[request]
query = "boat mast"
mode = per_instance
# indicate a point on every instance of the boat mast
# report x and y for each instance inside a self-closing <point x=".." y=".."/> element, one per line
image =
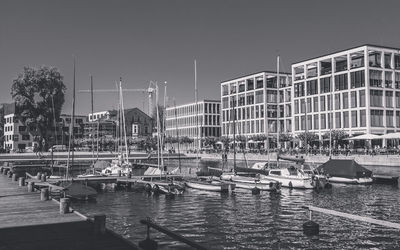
<point x="71" y="128"/>
<point x="91" y="102"/>
<point x="158" y="132"/>
<point x="197" y="113"/>
<point x="177" y="135"/>
<point x="123" y="119"/>
<point x="234" y="131"/>
<point x="278" y="110"/>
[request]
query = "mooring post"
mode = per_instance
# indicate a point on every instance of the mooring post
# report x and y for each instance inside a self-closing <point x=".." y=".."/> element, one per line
<point x="15" y="177"/>
<point x="99" y="224"/>
<point x="1" y="169"/>
<point x="10" y="174"/>
<point x="5" y="171"/>
<point x="21" y="181"/>
<point x="43" y="177"/>
<point x="31" y="186"/>
<point x="44" y="194"/>
<point x="38" y="175"/>
<point x="148" y="243"/>
<point x="64" y="205"/>
<point x="310" y="227"/>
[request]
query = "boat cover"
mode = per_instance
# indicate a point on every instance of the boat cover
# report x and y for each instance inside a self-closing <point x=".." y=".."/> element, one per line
<point x="344" y="168"/>
<point x="78" y="191"/>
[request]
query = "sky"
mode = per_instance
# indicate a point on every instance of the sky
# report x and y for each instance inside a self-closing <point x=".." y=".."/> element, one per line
<point x="150" y="40"/>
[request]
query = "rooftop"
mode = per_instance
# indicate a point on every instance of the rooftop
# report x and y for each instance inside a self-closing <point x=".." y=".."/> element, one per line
<point x="266" y="72"/>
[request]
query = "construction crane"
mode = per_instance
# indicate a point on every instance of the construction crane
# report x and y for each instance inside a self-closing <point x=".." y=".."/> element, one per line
<point x="151" y="90"/>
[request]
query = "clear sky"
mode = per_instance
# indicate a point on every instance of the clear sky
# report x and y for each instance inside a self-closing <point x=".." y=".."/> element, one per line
<point x="158" y="40"/>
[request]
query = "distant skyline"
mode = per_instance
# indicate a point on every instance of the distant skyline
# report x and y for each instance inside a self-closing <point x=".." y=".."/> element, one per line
<point x="144" y="41"/>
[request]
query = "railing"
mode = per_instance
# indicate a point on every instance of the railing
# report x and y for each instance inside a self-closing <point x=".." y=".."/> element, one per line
<point x="150" y="224"/>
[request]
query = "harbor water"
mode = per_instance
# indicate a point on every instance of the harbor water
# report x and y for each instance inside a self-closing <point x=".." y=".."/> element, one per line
<point x="266" y="221"/>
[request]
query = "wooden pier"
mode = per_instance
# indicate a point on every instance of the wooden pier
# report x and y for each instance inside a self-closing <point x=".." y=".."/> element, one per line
<point x="27" y="222"/>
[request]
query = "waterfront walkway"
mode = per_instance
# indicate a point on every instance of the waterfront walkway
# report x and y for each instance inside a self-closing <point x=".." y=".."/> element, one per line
<point x="27" y="222"/>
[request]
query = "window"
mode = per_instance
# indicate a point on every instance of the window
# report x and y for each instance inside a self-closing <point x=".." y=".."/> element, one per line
<point x="397" y="100"/>
<point x="323" y="121"/>
<point x="296" y="123"/>
<point x="316" y="125"/>
<point x="303" y="122"/>
<point x="374" y="58"/>
<point x="397" y="80"/>
<point x="397" y="61"/>
<point x="233" y="88"/>
<point x="272" y="96"/>
<point x="353" y="99"/>
<point x="362" y="98"/>
<point x="388" y="80"/>
<point x="299" y="73"/>
<point x="259" y="82"/>
<point x="398" y="119"/>
<point x="357" y="60"/>
<point x="389" y="118"/>
<point x="225" y="102"/>
<point x="354" y="119"/>
<point x="309" y="122"/>
<point x="329" y="102"/>
<point x="225" y="90"/>
<point x="389" y="99"/>
<point x="271" y="82"/>
<point x="376" y="98"/>
<point x="302" y="106"/>
<point x="315" y="103"/>
<point x="322" y="104"/>
<point x="299" y="89"/>
<point x="250" y="98"/>
<point x="363" y="118"/>
<point x="377" y="118"/>
<point x="345" y="99"/>
<point x="296" y="106"/>
<point x="242" y="87"/>
<point x="22" y="128"/>
<point x="259" y="96"/>
<point x="388" y="60"/>
<point x="337" y="101"/>
<point x="375" y="78"/>
<point x="312" y="87"/>
<point x="346" y="119"/>
<point x="340" y="63"/>
<point x="338" y="122"/>
<point x="325" y="85"/>
<point x="357" y="79"/>
<point x="309" y="107"/>
<point x="312" y="70"/>
<point x="341" y="82"/>
<point x="241" y="100"/>
<point x="326" y="67"/>
<point x="250" y="84"/>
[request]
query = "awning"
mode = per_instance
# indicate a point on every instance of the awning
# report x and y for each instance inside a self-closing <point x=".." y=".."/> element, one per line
<point x="391" y="136"/>
<point x="365" y="137"/>
<point x="251" y="141"/>
<point x="219" y="142"/>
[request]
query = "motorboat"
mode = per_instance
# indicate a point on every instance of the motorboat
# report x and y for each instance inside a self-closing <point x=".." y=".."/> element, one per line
<point x="249" y="180"/>
<point x="346" y="171"/>
<point x="210" y="185"/>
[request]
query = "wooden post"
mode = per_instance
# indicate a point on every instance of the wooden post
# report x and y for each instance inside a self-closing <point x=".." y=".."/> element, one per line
<point x="15" y="177"/>
<point x="64" y="205"/>
<point x="31" y="186"/>
<point x="44" y="194"/>
<point x="21" y="181"/>
<point x="10" y="174"/>
<point x="38" y="175"/>
<point x="99" y="224"/>
<point x="5" y="171"/>
<point x="1" y="170"/>
<point x="43" y="177"/>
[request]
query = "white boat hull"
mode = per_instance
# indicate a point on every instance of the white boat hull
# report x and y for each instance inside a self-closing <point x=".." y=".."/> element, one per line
<point x="351" y="180"/>
<point x="245" y="182"/>
<point x="293" y="182"/>
<point x="212" y="186"/>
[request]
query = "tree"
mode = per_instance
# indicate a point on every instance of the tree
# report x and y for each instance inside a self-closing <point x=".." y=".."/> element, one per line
<point x="307" y="137"/>
<point x="35" y="92"/>
<point x="225" y="142"/>
<point x="209" y="141"/>
<point x="337" y="136"/>
<point x="284" y="137"/>
<point x="185" y="140"/>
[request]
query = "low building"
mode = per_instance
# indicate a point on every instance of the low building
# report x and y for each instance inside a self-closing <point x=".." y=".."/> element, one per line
<point x="187" y="121"/>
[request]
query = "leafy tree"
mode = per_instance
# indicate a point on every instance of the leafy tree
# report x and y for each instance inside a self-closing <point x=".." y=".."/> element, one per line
<point x="185" y="140"/>
<point x="34" y="92"/>
<point x="307" y="137"/>
<point x="285" y="137"/>
<point x="338" y="136"/>
<point x="225" y="142"/>
<point x="209" y="141"/>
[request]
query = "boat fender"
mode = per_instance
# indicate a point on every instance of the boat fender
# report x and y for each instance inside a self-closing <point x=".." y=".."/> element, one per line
<point x="147" y="187"/>
<point x="271" y="184"/>
<point x="290" y="184"/>
<point x="156" y="188"/>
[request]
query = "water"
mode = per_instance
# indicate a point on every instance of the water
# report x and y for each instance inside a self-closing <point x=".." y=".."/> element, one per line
<point x="266" y="221"/>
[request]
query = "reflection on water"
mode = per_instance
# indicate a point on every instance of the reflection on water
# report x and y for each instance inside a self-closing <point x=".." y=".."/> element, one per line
<point x="245" y="221"/>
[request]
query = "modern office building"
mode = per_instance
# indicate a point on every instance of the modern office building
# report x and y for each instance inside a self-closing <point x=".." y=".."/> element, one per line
<point x="356" y="90"/>
<point x="186" y="121"/>
<point x="259" y="101"/>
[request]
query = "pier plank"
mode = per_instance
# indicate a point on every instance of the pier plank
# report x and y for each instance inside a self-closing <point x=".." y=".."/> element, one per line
<point x="26" y="222"/>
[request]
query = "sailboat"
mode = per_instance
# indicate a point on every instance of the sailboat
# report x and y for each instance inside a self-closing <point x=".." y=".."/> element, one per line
<point x="72" y="189"/>
<point x="121" y="165"/>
